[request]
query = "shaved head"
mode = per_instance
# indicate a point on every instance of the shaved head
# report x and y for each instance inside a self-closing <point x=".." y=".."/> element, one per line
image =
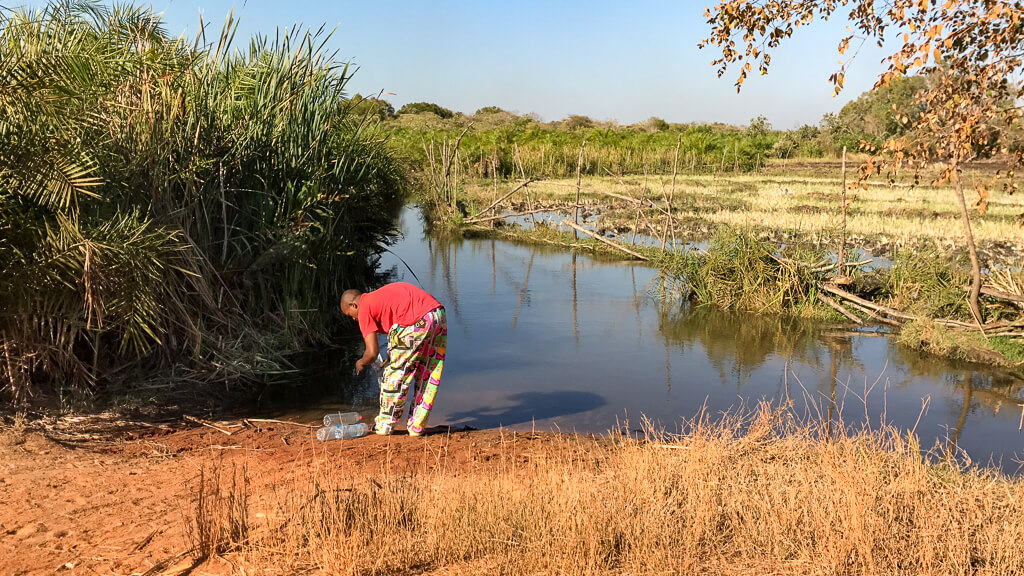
<point x="350" y="296"/>
<point x="350" y="303"/>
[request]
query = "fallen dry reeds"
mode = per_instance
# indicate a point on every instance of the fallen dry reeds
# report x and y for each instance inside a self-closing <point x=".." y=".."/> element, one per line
<point x="756" y="494"/>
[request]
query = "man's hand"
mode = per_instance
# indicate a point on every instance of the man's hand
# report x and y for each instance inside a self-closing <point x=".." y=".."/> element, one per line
<point x="372" y="349"/>
<point x="361" y="365"/>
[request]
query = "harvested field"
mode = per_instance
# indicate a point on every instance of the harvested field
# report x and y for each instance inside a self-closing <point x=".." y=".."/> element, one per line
<point x="881" y="217"/>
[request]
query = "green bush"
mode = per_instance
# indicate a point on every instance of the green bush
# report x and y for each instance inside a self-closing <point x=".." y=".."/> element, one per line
<point x="162" y="204"/>
<point x="429" y="107"/>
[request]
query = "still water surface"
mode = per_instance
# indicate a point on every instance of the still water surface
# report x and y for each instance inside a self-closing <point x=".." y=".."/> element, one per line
<point x="544" y="338"/>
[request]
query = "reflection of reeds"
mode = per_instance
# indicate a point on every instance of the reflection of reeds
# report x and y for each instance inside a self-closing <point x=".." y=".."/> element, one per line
<point x="758" y="493"/>
<point x="740" y="343"/>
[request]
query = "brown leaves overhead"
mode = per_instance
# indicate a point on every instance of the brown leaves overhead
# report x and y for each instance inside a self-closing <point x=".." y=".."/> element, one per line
<point x="970" y="50"/>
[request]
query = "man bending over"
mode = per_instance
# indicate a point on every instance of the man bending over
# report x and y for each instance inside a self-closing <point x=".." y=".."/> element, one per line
<point x="417" y="338"/>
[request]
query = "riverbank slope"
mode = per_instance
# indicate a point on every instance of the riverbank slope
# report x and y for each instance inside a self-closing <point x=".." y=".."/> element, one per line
<point x="758" y="493"/>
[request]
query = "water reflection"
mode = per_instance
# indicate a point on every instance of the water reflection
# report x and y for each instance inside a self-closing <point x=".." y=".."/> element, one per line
<point x="738" y="344"/>
<point x="542" y="337"/>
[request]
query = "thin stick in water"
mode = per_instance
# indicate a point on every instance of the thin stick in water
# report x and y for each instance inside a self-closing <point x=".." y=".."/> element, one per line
<point x="579" y="176"/>
<point x="598" y="237"/>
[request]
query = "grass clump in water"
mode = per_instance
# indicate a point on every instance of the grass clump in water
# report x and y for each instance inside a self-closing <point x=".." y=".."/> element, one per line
<point x="1012" y="348"/>
<point x="930" y="284"/>
<point x="739" y="272"/>
<point x="966" y="345"/>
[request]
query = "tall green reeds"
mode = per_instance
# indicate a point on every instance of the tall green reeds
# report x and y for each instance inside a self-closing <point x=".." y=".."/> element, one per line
<point x="166" y="202"/>
<point x="550" y="151"/>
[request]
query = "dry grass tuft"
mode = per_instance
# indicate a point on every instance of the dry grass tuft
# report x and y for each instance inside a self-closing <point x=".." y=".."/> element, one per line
<point x="219" y="518"/>
<point x="14" y="433"/>
<point x="747" y="495"/>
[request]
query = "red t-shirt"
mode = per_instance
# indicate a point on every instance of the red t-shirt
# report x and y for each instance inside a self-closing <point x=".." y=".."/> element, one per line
<point x="396" y="303"/>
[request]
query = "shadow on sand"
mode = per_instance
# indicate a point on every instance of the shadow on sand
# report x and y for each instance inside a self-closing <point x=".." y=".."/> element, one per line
<point x="528" y="407"/>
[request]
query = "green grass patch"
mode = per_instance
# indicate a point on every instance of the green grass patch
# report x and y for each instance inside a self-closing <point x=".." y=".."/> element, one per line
<point x="739" y="272"/>
<point x="1012" y="348"/>
<point x="929" y="283"/>
<point x="966" y="345"/>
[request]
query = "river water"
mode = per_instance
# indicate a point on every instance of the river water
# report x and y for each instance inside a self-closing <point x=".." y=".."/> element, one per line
<point x="542" y="338"/>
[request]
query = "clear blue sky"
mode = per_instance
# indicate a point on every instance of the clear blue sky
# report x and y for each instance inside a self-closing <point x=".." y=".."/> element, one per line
<point x="608" y="60"/>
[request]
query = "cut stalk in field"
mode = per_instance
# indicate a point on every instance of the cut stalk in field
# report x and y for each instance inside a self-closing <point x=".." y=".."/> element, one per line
<point x="504" y="216"/>
<point x="636" y="221"/>
<point x="841" y="258"/>
<point x="598" y="237"/>
<point x="579" y="180"/>
<point x="503" y="198"/>
<point x="672" y="191"/>
<point x="594" y="190"/>
<point x="668" y="216"/>
<point x="450" y="157"/>
<point x="494" y="172"/>
<point x="526" y="188"/>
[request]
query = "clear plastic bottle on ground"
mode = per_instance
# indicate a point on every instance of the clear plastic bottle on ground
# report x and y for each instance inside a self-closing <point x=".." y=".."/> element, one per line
<point x="342" y="431"/>
<point x="336" y="418"/>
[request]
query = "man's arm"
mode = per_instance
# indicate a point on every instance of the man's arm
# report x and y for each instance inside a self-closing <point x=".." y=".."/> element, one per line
<point x="372" y="349"/>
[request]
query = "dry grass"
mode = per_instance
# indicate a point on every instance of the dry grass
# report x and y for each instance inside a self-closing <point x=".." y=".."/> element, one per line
<point x="14" y="431"/>
<point x="760" y="494"/>
<point x="809" y="204"/>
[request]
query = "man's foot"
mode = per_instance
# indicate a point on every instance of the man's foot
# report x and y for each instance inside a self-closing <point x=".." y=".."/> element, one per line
<point x="411" y="433"/>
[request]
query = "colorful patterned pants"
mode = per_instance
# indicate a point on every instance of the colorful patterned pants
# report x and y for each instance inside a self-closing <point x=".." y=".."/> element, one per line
<point x="416" y="360"/>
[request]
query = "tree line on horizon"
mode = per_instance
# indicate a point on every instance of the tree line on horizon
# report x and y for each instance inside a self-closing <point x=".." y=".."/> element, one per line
<point x="867" y="121"/>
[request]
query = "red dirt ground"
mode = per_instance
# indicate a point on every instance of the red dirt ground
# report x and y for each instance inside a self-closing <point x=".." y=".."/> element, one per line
<point x="98" y="496"/>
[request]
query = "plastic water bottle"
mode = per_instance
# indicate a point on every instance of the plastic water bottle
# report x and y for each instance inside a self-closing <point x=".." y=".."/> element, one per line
<point x="382" y="359"/>
<point x="342" y="432"/>
<point x="373" y="372"/>
<point x="378" y="363"/>
<point x="336" y="418"/>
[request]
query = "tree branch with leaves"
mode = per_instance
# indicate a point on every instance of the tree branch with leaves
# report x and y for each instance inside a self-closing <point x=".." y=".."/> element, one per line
<point x="971" y="51"/>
